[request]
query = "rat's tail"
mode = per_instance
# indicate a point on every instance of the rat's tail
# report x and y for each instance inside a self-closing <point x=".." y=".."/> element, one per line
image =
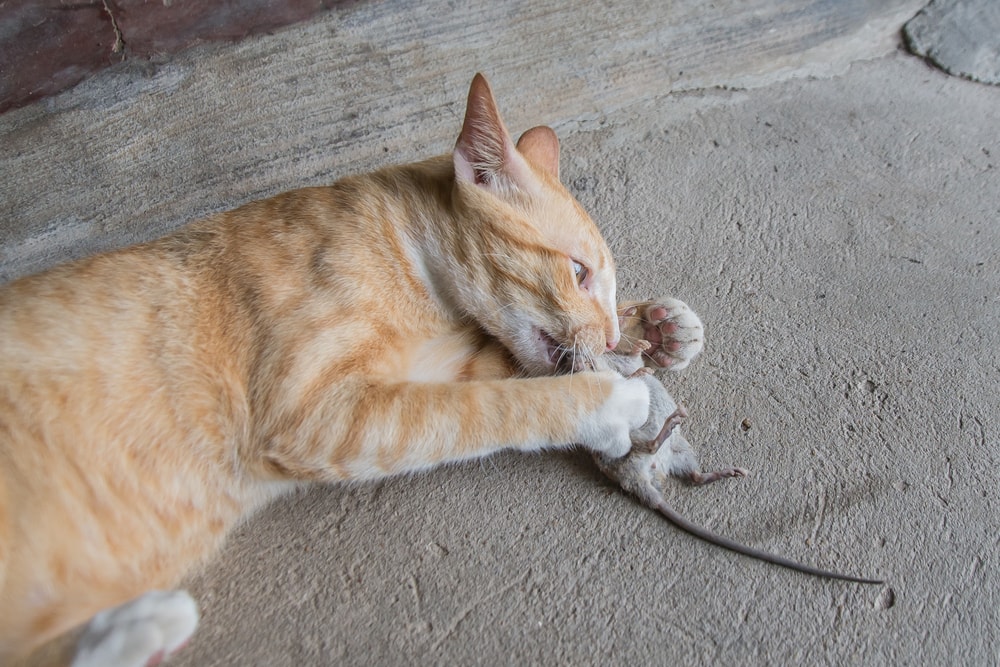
<point x="703" y="533"/>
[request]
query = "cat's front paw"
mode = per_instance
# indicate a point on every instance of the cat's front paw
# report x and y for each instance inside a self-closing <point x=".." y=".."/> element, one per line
<point x="607" y="429"/>
<point x="667" y="332"/>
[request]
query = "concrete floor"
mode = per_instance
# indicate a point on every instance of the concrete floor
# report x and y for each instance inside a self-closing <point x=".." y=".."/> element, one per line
<point x="827" y="203"/>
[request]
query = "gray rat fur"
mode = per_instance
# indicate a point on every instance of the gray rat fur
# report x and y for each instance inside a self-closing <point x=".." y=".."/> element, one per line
<point x="659" y="449"/>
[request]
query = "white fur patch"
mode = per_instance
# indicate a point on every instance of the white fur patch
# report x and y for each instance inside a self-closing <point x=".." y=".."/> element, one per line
<point x="608" y="428"/>
<point x="130" y="635"/>
<point x="690" y="333"/>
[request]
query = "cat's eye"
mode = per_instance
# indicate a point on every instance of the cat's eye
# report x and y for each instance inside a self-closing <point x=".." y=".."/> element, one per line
<point x="581" y="272"/>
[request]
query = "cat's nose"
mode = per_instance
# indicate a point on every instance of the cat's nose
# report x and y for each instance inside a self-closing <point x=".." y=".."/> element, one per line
<point x="612" y="334"/>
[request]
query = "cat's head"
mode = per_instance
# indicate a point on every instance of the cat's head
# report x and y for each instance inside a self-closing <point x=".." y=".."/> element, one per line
<point x="540" y="276"/>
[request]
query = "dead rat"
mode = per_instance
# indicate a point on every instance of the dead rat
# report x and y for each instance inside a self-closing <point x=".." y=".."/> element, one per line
<point x="659" y="449"/>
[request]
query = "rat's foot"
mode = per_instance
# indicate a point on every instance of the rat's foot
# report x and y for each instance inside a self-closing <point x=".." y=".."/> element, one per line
<point x="139" y="633"/>
<point x="666" y="331"/>
<point x="672" y="421"/>
<point x="701" y="478"/>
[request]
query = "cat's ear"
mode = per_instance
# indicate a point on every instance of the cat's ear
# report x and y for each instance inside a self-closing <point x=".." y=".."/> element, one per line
<point x="485" y="154"/>
<point x="541" y="148"/>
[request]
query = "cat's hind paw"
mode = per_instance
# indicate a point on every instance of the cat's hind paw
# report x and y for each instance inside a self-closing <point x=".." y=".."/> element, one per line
<point x="667" y="332"/>
<point x="140" y="633"/>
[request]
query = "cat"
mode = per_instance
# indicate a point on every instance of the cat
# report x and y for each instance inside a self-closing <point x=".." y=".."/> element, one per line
<point x="154" y="396"/>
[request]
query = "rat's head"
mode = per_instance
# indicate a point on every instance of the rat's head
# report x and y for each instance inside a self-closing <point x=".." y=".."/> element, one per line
<point x="537" y="274"/>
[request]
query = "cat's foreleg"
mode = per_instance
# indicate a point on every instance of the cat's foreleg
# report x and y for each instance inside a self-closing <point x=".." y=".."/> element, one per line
<point x="665" y="331"/>
<point x="365" y="430"/>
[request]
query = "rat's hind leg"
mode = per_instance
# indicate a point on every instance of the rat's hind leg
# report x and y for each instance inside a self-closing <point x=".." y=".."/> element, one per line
<point x="671" y="452"/>
<point x="666" y="331"/>
<point x="139" y="633"/>
<point x="677" y="458"/>
<point x="701" y="478"/>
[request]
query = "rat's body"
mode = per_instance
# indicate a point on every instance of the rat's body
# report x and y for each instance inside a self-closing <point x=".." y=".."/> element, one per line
<point x="659" y="449"/>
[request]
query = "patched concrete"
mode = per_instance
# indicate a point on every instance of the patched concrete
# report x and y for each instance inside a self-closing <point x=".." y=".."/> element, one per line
<point x="962" y="37"/>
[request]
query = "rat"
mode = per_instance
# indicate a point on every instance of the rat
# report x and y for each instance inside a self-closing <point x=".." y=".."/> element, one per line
<point x="659" y="449"/>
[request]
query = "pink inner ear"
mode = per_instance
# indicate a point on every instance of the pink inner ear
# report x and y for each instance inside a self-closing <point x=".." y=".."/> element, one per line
<point x="480" y="152"/>
<point x="541" y="148"/>
<point x="485" y="154"/>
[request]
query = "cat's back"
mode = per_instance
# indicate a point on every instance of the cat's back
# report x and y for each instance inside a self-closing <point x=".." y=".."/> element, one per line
<point x="128" y="381"/>
<point x="202" y="310"/>
<point x="123" y="406"/>
<point x="214" y="278"/>
<point x="90" y="441"/>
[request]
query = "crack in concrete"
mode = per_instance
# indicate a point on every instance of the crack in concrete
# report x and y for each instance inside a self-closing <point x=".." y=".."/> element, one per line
<point x="472" y="606"/>
<point x="119" y="45"/>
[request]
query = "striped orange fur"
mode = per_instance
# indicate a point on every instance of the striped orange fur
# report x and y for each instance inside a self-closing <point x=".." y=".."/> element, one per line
<point x="152" y="397"/>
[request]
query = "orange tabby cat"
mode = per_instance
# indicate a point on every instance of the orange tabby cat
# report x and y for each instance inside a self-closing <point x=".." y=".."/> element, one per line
<point x="152" y="397"/>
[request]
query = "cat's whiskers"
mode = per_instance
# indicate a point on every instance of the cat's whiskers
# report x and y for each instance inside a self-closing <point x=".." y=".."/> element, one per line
<point x="576" y="348"/>
<point x="600" y="383"/>
<point x="629" y="339"/>
<point x="488" y="459"/>
<point x="587" y="358"/>
<point x="563" y="351"/>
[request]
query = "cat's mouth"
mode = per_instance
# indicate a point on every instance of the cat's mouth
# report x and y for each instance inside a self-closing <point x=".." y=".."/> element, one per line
<point x="551" y="351"/>
<point x="556" y="356"/>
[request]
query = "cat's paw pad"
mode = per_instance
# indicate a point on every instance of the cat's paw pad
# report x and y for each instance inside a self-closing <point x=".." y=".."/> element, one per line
<point x="670" y="332"/>
<point x="139" y="633"/>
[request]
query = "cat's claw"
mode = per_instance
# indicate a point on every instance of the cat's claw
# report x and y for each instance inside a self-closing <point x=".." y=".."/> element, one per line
<point x="139" y="633"/>
<point x="666" y="331"/>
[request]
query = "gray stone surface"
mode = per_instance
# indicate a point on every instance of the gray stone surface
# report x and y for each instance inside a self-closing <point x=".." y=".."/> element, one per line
<point x="834" y="226"/>
<point x="142" y="148"/>
<point x="962" y="37"/>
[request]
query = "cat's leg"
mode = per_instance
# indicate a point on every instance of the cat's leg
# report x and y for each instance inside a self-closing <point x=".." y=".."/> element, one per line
<point x="667" y="332"/>
<point x="363" y="430"/>
<point x="138" y="633"/>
